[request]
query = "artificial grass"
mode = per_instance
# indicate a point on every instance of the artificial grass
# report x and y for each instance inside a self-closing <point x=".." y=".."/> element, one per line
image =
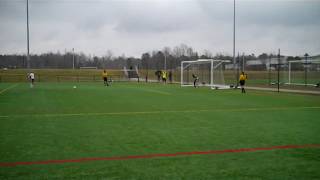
<point x="55" y="121"/>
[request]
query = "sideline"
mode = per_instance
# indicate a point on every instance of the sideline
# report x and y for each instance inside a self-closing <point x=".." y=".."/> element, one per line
<point x="159" y="112"/>
<point x="148" y="156"/>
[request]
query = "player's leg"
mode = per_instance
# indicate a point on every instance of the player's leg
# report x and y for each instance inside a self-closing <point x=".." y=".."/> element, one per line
<point x="195" y="82"/>
<point x="31" y="84"/>
<point x="104" y="81"/>
<point x="109" y="81"/>
<point x="241" y="86"/>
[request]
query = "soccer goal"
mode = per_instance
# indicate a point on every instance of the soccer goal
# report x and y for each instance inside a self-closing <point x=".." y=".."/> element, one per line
<point x="131" y="73"/>
<point x="208" y="71"/>
<point x="302" y="72"/>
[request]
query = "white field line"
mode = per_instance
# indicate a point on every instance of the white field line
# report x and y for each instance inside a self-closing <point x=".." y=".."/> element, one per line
<point x="8" y="88"/>
<point x="159" y="112"/>
<point x="150" y="90"/>
<point x="156" y="91"/>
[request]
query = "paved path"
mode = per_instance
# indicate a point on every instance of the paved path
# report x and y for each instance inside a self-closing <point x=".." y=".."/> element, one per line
<point x="266" y="89"/>
<point x="284" y="90"/>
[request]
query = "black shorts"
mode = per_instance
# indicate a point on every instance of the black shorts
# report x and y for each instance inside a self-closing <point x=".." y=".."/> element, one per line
<point x="105" y="79"/>
<point x="242" y="82"/>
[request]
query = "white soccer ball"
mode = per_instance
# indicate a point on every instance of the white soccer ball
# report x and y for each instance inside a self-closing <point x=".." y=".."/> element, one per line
<point x="74" y="87"/>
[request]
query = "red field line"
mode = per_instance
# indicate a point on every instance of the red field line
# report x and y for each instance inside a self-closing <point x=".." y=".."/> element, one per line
<point x="3" y="164"/>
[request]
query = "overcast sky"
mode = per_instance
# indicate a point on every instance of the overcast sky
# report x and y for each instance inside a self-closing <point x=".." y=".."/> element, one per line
<point x="132" y="27"/>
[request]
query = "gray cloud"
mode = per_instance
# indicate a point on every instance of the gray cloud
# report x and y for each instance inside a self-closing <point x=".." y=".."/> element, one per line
<point x="264" y="12"/>
<point x="136" y="26"/>
<point x="285" y="13"/>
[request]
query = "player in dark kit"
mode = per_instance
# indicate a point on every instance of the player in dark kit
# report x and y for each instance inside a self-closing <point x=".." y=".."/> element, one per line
<point x="195" y="77"/>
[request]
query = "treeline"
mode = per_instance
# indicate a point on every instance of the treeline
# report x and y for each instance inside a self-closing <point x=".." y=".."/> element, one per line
<point x="149" y="60"/>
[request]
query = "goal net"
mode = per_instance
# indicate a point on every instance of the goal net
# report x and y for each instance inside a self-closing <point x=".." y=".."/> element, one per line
<point x="208" y="71"/>
<point x="132" y="73"/>
<point x="304" y="72"/>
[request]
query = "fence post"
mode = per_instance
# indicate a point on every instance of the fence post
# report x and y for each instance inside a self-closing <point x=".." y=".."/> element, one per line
<point x="279" y="71"/>
<point x="305" y="69"/>
<point x="269" y="73"/>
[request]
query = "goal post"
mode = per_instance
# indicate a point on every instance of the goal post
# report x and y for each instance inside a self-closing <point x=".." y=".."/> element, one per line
<point x="208" y="71"/>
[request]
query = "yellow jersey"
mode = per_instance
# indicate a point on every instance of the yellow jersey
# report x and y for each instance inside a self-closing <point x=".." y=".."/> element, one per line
<point x="164" y="75"/>
<point x="243" y="77"/>
<point x="104" y="74"/>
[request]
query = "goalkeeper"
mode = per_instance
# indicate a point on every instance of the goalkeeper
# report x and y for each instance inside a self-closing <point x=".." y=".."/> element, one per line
<point x="242" y="81"/>
<point x="31" y="77"/>
<point x="105" y="78"/>
<point x="195" y="77"/>
<point x="164" y="77"/>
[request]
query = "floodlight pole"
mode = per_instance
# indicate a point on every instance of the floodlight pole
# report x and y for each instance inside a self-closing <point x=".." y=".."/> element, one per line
<point x="269" y="74"/>
<point x="28" y="48"/>
<point x="165" y="62"/>
<point x="211" y="74"/>
<point x="104" y="63"/>
<point x="72" y="58"/>
<point x="279" y="70"/>
<point x="181" y="73"/>
<point x="242" y="62"/>
<point x="289" y="75"/>
<point x="238" y="65"/>
<point x="147" y="70"/>
<point x="234" y="41"/>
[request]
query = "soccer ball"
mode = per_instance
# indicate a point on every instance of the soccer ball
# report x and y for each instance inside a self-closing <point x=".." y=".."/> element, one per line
<point x="74" y="87"/>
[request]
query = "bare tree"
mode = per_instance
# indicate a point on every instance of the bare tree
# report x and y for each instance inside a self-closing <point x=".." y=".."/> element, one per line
<point x="107" y="57"/>
<point x="190" y="52"/>
<point x="207" y="53"/>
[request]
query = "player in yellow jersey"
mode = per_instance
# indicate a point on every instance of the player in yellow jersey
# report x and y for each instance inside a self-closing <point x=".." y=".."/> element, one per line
<point x="105" y="78"/>
<point x="164" y="76"/>
<point x="242" y="80"/>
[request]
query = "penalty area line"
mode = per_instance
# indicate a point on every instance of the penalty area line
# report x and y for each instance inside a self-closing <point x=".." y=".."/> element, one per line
<point x="148" y="156"/>
<point x="8" y="88"/>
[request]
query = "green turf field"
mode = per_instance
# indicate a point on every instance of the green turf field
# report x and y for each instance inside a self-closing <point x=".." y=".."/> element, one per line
<point x="54" y="121"/>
